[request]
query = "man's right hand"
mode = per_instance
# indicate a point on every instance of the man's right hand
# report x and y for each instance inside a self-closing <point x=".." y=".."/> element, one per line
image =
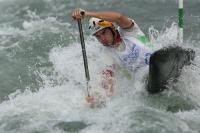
<point x="78" y="13"/>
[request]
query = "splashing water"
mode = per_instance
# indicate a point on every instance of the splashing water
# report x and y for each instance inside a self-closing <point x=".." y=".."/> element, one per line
<point x="44" y="90"/>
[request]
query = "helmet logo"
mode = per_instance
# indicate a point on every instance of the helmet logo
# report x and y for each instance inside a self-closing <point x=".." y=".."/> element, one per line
<point x="104" y="23"/>
<point x="96" y="24"/>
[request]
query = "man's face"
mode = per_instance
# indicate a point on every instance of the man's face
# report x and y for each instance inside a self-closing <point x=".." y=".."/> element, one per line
<point x="105" y="37"/>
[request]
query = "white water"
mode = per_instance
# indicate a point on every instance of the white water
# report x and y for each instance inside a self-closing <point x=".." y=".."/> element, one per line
<point x="129" y="109"/>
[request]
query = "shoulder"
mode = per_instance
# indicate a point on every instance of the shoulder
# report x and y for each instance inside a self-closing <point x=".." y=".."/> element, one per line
<point x="134" y="30"/>
<point x="131" y="27"/>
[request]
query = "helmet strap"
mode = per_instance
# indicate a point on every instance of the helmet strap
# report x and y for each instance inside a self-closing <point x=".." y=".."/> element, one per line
<point x="116" y="36"/>
<point x="113" y="34"/>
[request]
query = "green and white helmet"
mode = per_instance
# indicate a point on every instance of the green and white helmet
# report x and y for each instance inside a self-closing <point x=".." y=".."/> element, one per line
<point x="96" y="24"/>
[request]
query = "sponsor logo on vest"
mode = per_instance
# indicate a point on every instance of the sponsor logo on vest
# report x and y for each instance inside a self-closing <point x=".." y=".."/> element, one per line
<point x="130" y="58"/>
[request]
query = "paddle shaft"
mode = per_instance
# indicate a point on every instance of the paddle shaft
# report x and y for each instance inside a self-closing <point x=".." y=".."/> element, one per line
<point x="87" y="75"/>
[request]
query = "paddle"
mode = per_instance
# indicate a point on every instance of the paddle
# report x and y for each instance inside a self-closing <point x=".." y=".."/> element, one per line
<point x="84" y="55"/>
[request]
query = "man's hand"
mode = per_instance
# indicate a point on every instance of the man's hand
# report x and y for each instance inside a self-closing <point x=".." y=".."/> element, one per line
<point x="78" y="13"/>
<point x="90" y="99"/>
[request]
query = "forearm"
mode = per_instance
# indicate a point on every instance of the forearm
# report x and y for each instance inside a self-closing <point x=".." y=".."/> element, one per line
<point x="120" y="19"/>
<point x="107" y="81"/>
<point x="108" y="85"/>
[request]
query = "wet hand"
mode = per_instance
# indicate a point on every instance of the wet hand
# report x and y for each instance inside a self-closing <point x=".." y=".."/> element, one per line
<point x="90" y="99"/>
<point x="78" y="13"/>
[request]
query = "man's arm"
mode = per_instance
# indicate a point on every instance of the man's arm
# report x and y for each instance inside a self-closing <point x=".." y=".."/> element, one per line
<point x="107" y="84"/>
<point x="120" y="19"/>
<point x="107" y="81"/>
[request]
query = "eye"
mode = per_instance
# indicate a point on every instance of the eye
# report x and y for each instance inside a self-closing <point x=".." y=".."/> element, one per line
<point x="103" y="32"/>
<point x="97" y="36"/>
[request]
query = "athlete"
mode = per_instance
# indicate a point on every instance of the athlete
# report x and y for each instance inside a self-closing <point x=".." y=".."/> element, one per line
<point x="126" y="42"/>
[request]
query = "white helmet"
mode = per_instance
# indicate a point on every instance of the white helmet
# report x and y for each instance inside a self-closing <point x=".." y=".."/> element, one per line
<point x="96" y="24"/>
